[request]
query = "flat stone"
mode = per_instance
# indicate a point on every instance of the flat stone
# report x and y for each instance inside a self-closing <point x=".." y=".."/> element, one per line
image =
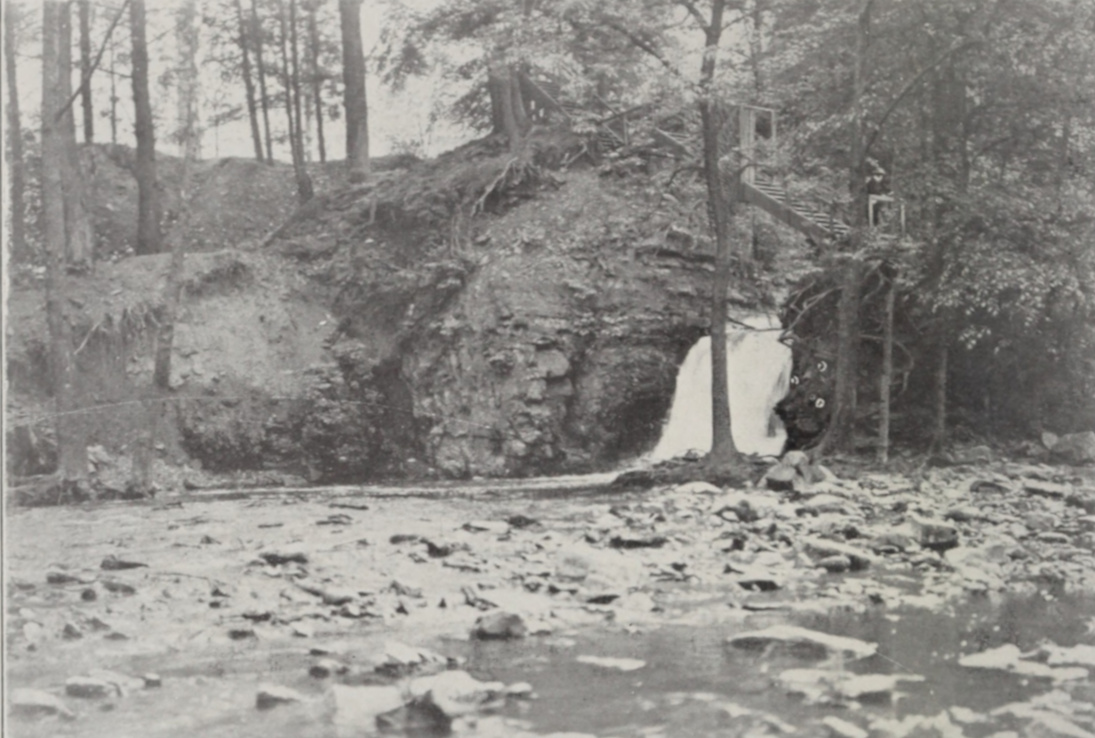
<point x="616" y="664"/>
<point x="37" y="703"/>
<point x="824" y="503"/>
<point x="456" y="693"/>
<point x="400" y="659"/>
<point x="357" y="708"/>
<point x="636" y="541"/>
<point x="324" y="668"/>
<point x="696" y="488"/>
<point x="1051" y="490"/>
<point x="805" y="642"/>
<point x="820" y="548"/>
<point x="272" y="695"/>
<point x="276" y="558"/>
<point x="839" y="728"/>
<point x="89" y="688"/>
<point x="495" y="527"/>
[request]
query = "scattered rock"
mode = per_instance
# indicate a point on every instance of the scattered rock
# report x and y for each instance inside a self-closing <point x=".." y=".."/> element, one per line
<point x="1009" y="658"/>
<point x="356" y="709"/>
<point x="689" y="489"/>
<point x="113" y="563"/>
<point x="820" y="548"/>
<point x="455" y="693"/>
<point x="836" y="564"/>
<point x="416" y="718"/>
<point x="521" y="521"/>
<point x="400" y="660"/>
<point x="1051" y="490"/>
<point x="632" y="541"/>
<point x="496" y="527"/>
<point x="36" y="703"/>
<point x="499" y="625"/>
<point x="152" y="680"/>
<point x="1075" y="448"/>
<point x="989" y="486"/>
<point x="324" y="668"/>
<point x="272" y="695"/>
<point x="842" y="728"/>
<point x="804" y="643"/>
<point x="781" y="478"/>
<point x="118" y="588"/>
<point x="61" y="577"/>
<point x="933" y="535"/>
<point x="617" y="664"/>
<point x="276" y="558"/>
<point x="89" y="688"/>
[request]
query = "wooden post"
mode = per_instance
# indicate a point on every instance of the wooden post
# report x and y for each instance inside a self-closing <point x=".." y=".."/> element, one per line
<point x="747" y="126"/>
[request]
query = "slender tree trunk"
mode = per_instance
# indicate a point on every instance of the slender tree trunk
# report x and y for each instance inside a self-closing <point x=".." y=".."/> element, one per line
<point x="723" y="450"/>
<point x="16" y="165"/>
<point x="70" y="428"/>
<point x="113" y="97"/>
<point x="304" y="182"/>
<point x="264" y="98"/>
<point x="86" y="70"/>
<point x="886" y="378"/>
<point x="294" y="47"/>
<point x="148" y="200"/>
<point x="249" y="81"/>
<point x="157" y="406"/>
<point x="939" y="397"/>
<point x="317" y="79"/>
<point x="353" y="78"/>
<point x="840" y="436"/>
<point x="79" y="238"/>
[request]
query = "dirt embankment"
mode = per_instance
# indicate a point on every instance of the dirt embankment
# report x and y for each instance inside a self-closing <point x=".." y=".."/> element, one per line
<point x="472" y="315"/>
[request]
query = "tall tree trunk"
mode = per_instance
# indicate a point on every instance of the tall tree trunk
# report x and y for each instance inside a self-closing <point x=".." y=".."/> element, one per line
<point x="148" y="200"/>
<point x="249" y="81"/>
<point x="353" y="78"/>
<point x="840" y="435"/>
<point x="264" y="98"/>
<point x="294" y="47"/>
<point x="79" y="237"/>
<point x="317" y="78"/>
<point x="886" y="379"/>
<point x="157" y="407"/>
<point x="113" y="97"/>
<point x="16" y="166"/>
<point x="86" y="70"/>
<point x="723" y="450"/>
<point x="70" y="428"/>
<point x="304" y="182"/>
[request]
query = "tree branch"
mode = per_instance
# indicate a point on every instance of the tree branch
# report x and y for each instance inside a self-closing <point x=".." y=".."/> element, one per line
<point x="694" y="12"/>
<point x="912" y="83"/>
<point x="95" y="64"/>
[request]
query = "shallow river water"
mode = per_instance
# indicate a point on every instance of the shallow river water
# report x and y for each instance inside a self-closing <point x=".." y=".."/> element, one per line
<point x="688" y="680"/>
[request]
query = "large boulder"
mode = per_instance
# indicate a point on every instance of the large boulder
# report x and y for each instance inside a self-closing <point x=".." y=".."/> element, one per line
<point x="1075" y="448"/>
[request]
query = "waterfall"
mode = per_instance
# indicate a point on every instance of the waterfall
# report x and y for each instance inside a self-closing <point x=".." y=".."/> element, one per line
<point x="759" y="369"/>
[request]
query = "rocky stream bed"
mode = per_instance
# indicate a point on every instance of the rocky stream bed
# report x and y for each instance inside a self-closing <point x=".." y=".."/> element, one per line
<point x="944" y="602"/>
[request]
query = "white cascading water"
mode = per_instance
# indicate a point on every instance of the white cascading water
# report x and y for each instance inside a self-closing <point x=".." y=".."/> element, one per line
<point x="758" y="372"/>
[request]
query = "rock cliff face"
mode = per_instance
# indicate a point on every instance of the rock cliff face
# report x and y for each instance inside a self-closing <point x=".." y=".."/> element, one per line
<point x="367" y="341"/>
<point x="561" y="351"/>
